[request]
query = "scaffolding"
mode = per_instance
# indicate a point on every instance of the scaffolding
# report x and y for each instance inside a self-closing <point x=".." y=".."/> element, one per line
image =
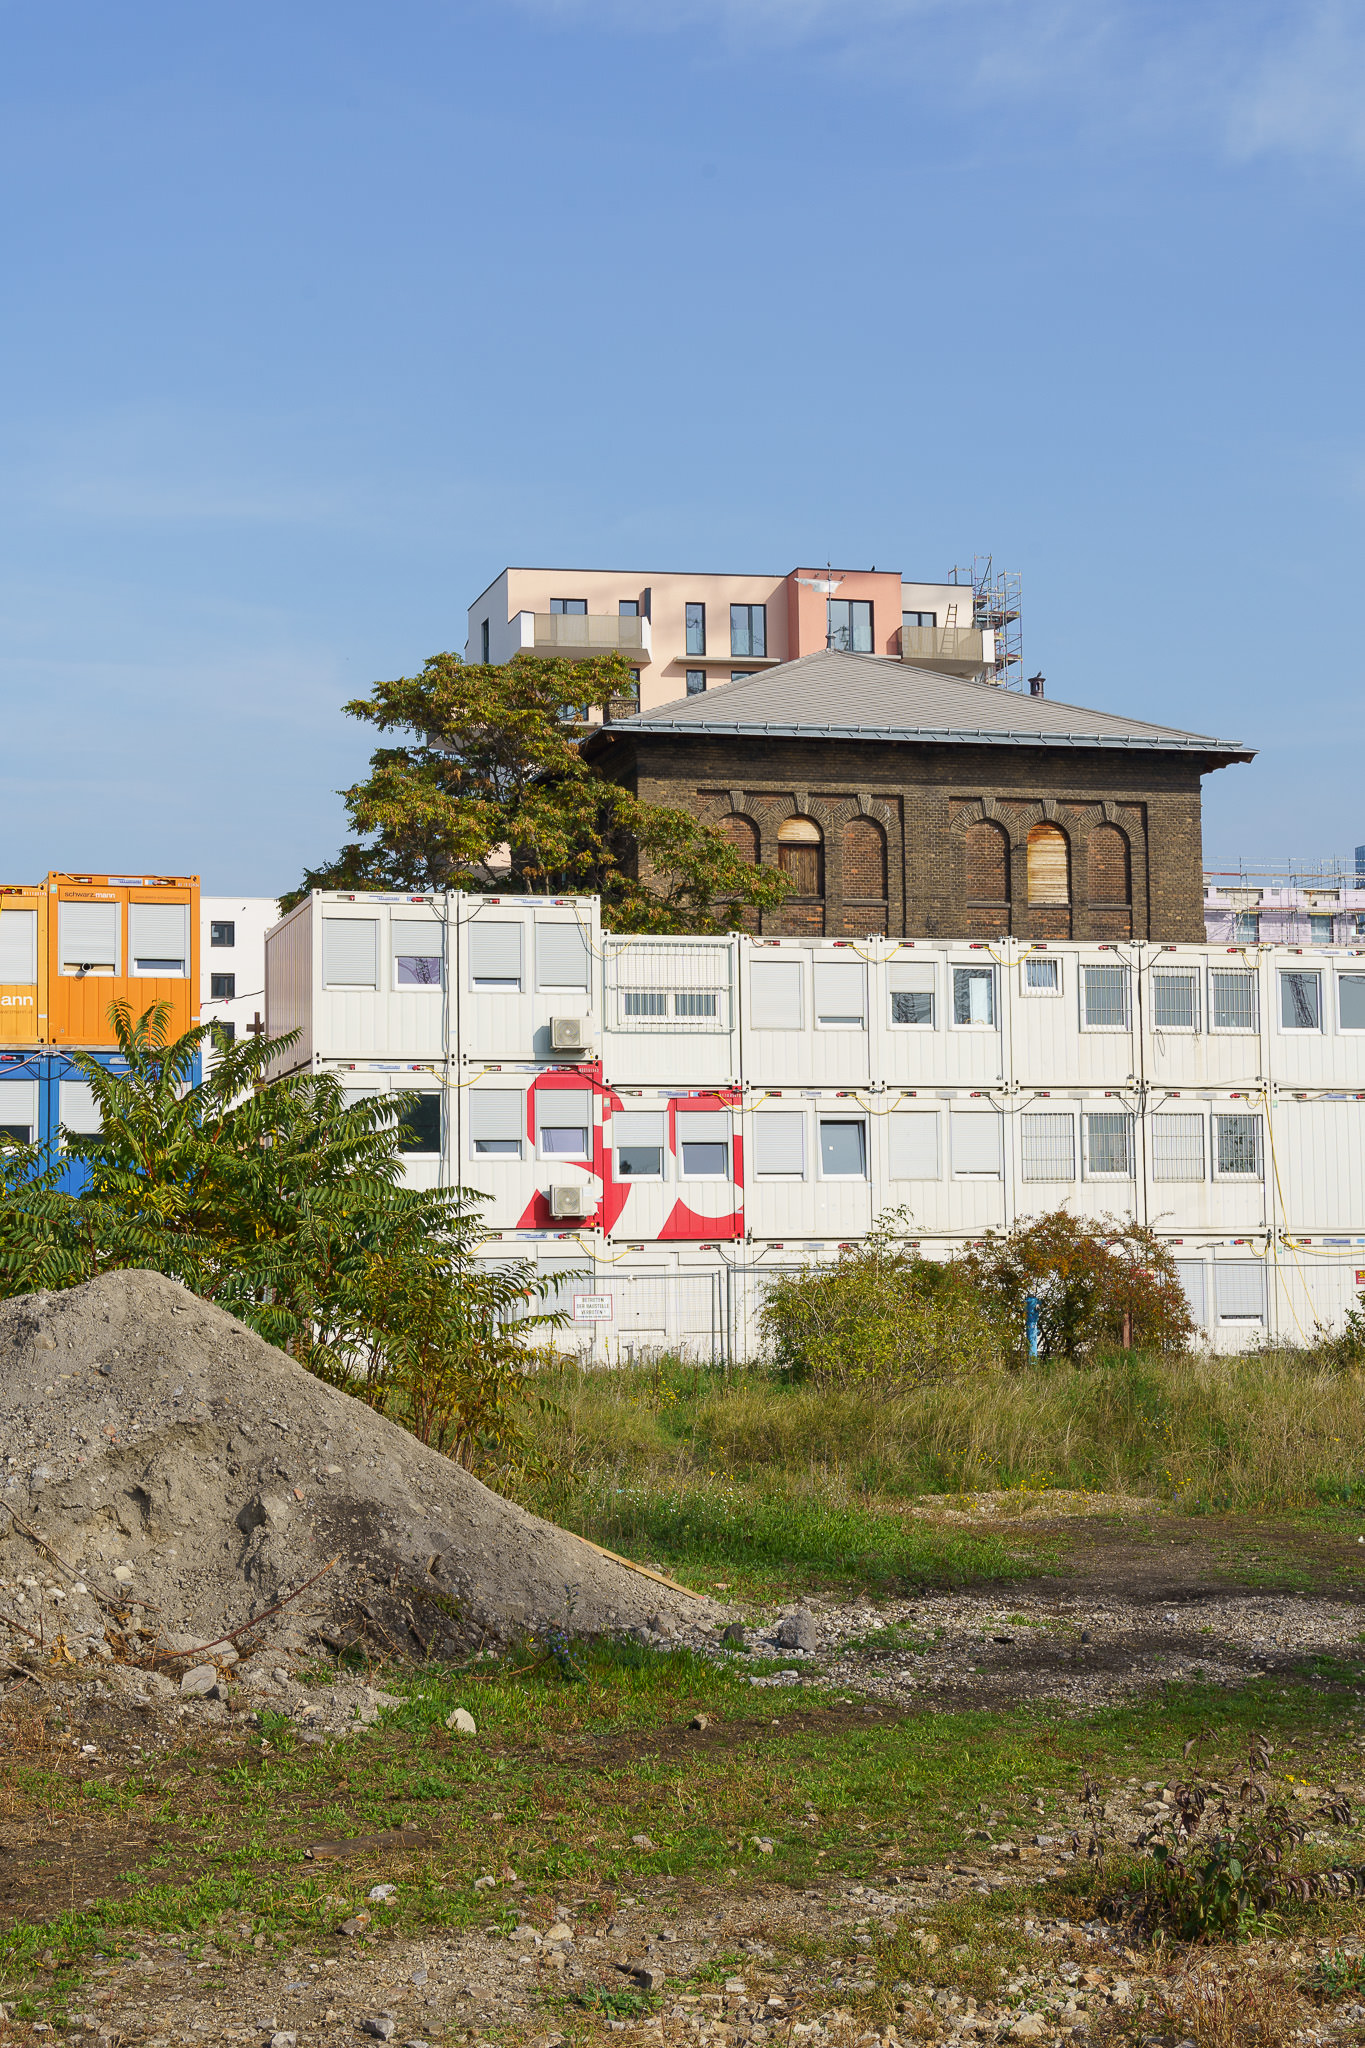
<point x="996" y="596"/>
<point x="1335" y="872"/>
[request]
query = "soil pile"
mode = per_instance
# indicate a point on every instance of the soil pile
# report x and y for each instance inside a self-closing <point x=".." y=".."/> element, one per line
<point x="167" y="1471"/>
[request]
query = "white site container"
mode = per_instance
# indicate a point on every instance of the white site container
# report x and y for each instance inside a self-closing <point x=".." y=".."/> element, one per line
<point x="812" y="1164"/>
<point x="525" y="1130"/>
<point x="1316" y="1157"/>
<point x="523" y="962"/>
<point x="940" y="1015"/>
<point x="1307" y="992"/>
<point x="1203" y="1017"/>
<point x="670" y="1009"/>
<point x="805" y="1016"/>
<point x="363" y="975"/>
<point x="675" y="1164"/>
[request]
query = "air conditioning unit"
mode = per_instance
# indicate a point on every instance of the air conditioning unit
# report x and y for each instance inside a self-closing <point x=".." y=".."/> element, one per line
<point x="569" y="1205"/>
<point x="570" y="1035"/>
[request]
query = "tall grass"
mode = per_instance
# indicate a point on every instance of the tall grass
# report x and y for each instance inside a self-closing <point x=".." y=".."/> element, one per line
<point x="1269" y="1429"/>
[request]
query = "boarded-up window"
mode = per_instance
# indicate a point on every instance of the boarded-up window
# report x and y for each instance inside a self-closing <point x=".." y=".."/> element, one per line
<point x="1110" y="872"/>
<point x="1048" y="877"/>
<point x="742" y="834"/>
<point x="987" y="858"/>
<point x="864" y="860"/>
<point x="799" y="848"/>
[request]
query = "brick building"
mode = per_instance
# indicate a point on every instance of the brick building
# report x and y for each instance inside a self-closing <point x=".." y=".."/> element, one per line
<point x="922" y="805"/>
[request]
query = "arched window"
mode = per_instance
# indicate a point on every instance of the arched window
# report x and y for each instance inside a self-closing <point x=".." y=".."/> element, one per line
<point x="1049" y="878"/>
<point x="864" y="861"/>
<point x="799" y="846"/>
<point x="986" y="852"/>
<point x="742" y="834"/>
<point x="1109" y="869"/>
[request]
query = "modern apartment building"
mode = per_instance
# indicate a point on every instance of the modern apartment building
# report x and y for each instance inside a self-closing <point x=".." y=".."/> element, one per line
<point x="683" y="634"/>
<point x="232" y="962"/>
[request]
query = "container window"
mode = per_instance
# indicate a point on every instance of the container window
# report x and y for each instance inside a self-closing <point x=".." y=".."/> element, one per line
<point x="497" y="1123"/>
<point x="974" y="995"/>
<point x="1104" y="998"/>
<point x="1233" y="1003"/>
<point x="1237" y="1146"/>
<point x="1175" y="1000"/>
<point x="644" y="1002"/>
<point x="561" y="955"/>
<point x="1193" y="1277"/>
<point x="1042" y="975"/>
<point x="1178" y="1147"/>
<point x="1300" y="1000"/>
<point x="914" y="1144"/>
<point x="705" y="1160"/>
<point x="494" y="954"/>
<point x="1350" y="997"/>
<point x="1048" y="1146"/>
<point x="696" y="1002"/>
<point x="977" y="1150"/>
<point x="417" y="952"/>
<point x="780" y="1143"/>
<point x="775" y="995"/>
<point x="638" y="1136"/>
<point x="78" y="1110"/>
<point x="564" y="1123"/>
<point x="159" y="938"/>
<point x="911" y="986"/>
<point x="1239" y="1290"/>
<point x="843" y="1148"/>
<point x="419" y="1128"/>
<point x="222" y="931"/>
<point x="18" y="946"/>
<point x="1108" y="1145"/>
<point x="18" y="1112"/>
<point x="88" y="938"/>
<point x="350" y="952"/>
<point x="840" y="995"/>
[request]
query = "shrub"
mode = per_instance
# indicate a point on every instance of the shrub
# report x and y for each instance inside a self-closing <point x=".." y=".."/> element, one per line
<point x="881" y="1313"/>
<point x="1097" y="1284"/>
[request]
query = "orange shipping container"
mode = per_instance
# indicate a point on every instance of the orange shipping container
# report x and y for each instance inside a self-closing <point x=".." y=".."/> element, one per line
<point x="23" y="964"/>
<point x="120" y="938"/>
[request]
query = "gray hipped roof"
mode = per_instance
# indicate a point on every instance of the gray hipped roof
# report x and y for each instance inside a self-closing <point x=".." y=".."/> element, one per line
<point x="871" y="697"/>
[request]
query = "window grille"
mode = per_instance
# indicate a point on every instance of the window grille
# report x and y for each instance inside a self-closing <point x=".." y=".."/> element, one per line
<point x="1106" y="998"/>
<point x="1042" y="976"/>
<point x="661" y="985"/>
<point x="1233" y="998"/>
<point x="1238" y="1142"/>
<point x="1175" y="1001"/>
<point x="1177" y="1147"/>
<point x="1109" y="1143"/>
<point x="1049" y="1147"/>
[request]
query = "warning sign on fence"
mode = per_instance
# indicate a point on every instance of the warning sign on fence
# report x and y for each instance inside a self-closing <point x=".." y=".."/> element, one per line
<point x="592" y="1308"/>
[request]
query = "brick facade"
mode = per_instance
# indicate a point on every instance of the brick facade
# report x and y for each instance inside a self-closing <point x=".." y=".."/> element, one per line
<point x="933" y="841"/>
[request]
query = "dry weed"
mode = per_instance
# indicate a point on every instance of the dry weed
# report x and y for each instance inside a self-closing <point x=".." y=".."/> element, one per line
<point x="1234" y="2007"/>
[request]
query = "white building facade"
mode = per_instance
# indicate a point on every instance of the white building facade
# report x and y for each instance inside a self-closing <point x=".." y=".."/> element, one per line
<point x="675" y="1120"/>
<point x="232" y="963"/>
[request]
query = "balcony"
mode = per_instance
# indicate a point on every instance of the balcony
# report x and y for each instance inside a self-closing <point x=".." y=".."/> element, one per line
<point x="951" y="650"/>
<point x="582" y="636"/>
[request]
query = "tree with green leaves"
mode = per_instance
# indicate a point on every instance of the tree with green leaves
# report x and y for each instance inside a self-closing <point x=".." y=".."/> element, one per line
<point x="287" y="1207"/>
<point x="489" y="790"/>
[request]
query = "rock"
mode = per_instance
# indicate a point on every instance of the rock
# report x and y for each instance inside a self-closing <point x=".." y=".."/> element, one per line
<point x="355" y="1924"/>
<point x="734" y="1635"/>
<point x="1030" y="2028"/>
<point x="383" y="1891"/>
<point x="762" y="1843"/>
<point x="122" y="1572"/>
<point x="648" y="1976"/>
<point x="462" y="1722"/>
<point x="380" y="2026"/>
<point x="641" y="1842"/>
<point x="560" y="1932"/>
<point x="283" y="2039"/>
<point x="700" y="1721"/>
<point x="201" y="1680"/>
<point x="798" y="1631"/>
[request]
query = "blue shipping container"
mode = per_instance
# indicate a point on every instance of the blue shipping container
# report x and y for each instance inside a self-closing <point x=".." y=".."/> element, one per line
<point x="40" y="1091"/>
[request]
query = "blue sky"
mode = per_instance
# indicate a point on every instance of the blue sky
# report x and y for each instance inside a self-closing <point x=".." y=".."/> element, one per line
<point x="316" y="315"/>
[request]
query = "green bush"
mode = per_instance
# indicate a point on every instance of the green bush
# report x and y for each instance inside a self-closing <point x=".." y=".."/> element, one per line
<point x="880" y="1314"/>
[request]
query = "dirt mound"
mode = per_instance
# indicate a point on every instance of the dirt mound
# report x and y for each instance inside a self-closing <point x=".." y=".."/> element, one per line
<point x="188" y="1477"/>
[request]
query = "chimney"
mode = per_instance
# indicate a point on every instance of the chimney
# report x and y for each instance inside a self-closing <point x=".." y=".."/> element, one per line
<point x="1035" y="686"/>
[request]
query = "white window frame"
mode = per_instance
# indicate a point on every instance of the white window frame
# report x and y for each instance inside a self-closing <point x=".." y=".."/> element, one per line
<point x="836" y="1022"/>
<point x="797" y="1023"/>
<point x="847" y="1178"/>
<point x="974" y="967"/>
<point x="904" y="1110"/>
<point x="543" y="1098"/>
<point x="1065" y="1116"/>
<point x="520" y="1141"/>
<point x="1119" y="967"/>
<point x="1282" y="975"/>
<point x="1189" y="974"/>
<point x="1192" y="1116"/>
<point x="766" y="1173"/>
<point x="1090" y="1172"/>
<point x="682" y="1138"/>
<point x="1349" y="1029"/>
<point x="1250" y="1030"/>
<point x="982" y="1176"/>
<point x="1039" y="959"/>
<point x="437" y="953"/>
<point x="640" y="1179"/>
<point x="929" y="970"/>
<point x="1257" y="1176"/>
